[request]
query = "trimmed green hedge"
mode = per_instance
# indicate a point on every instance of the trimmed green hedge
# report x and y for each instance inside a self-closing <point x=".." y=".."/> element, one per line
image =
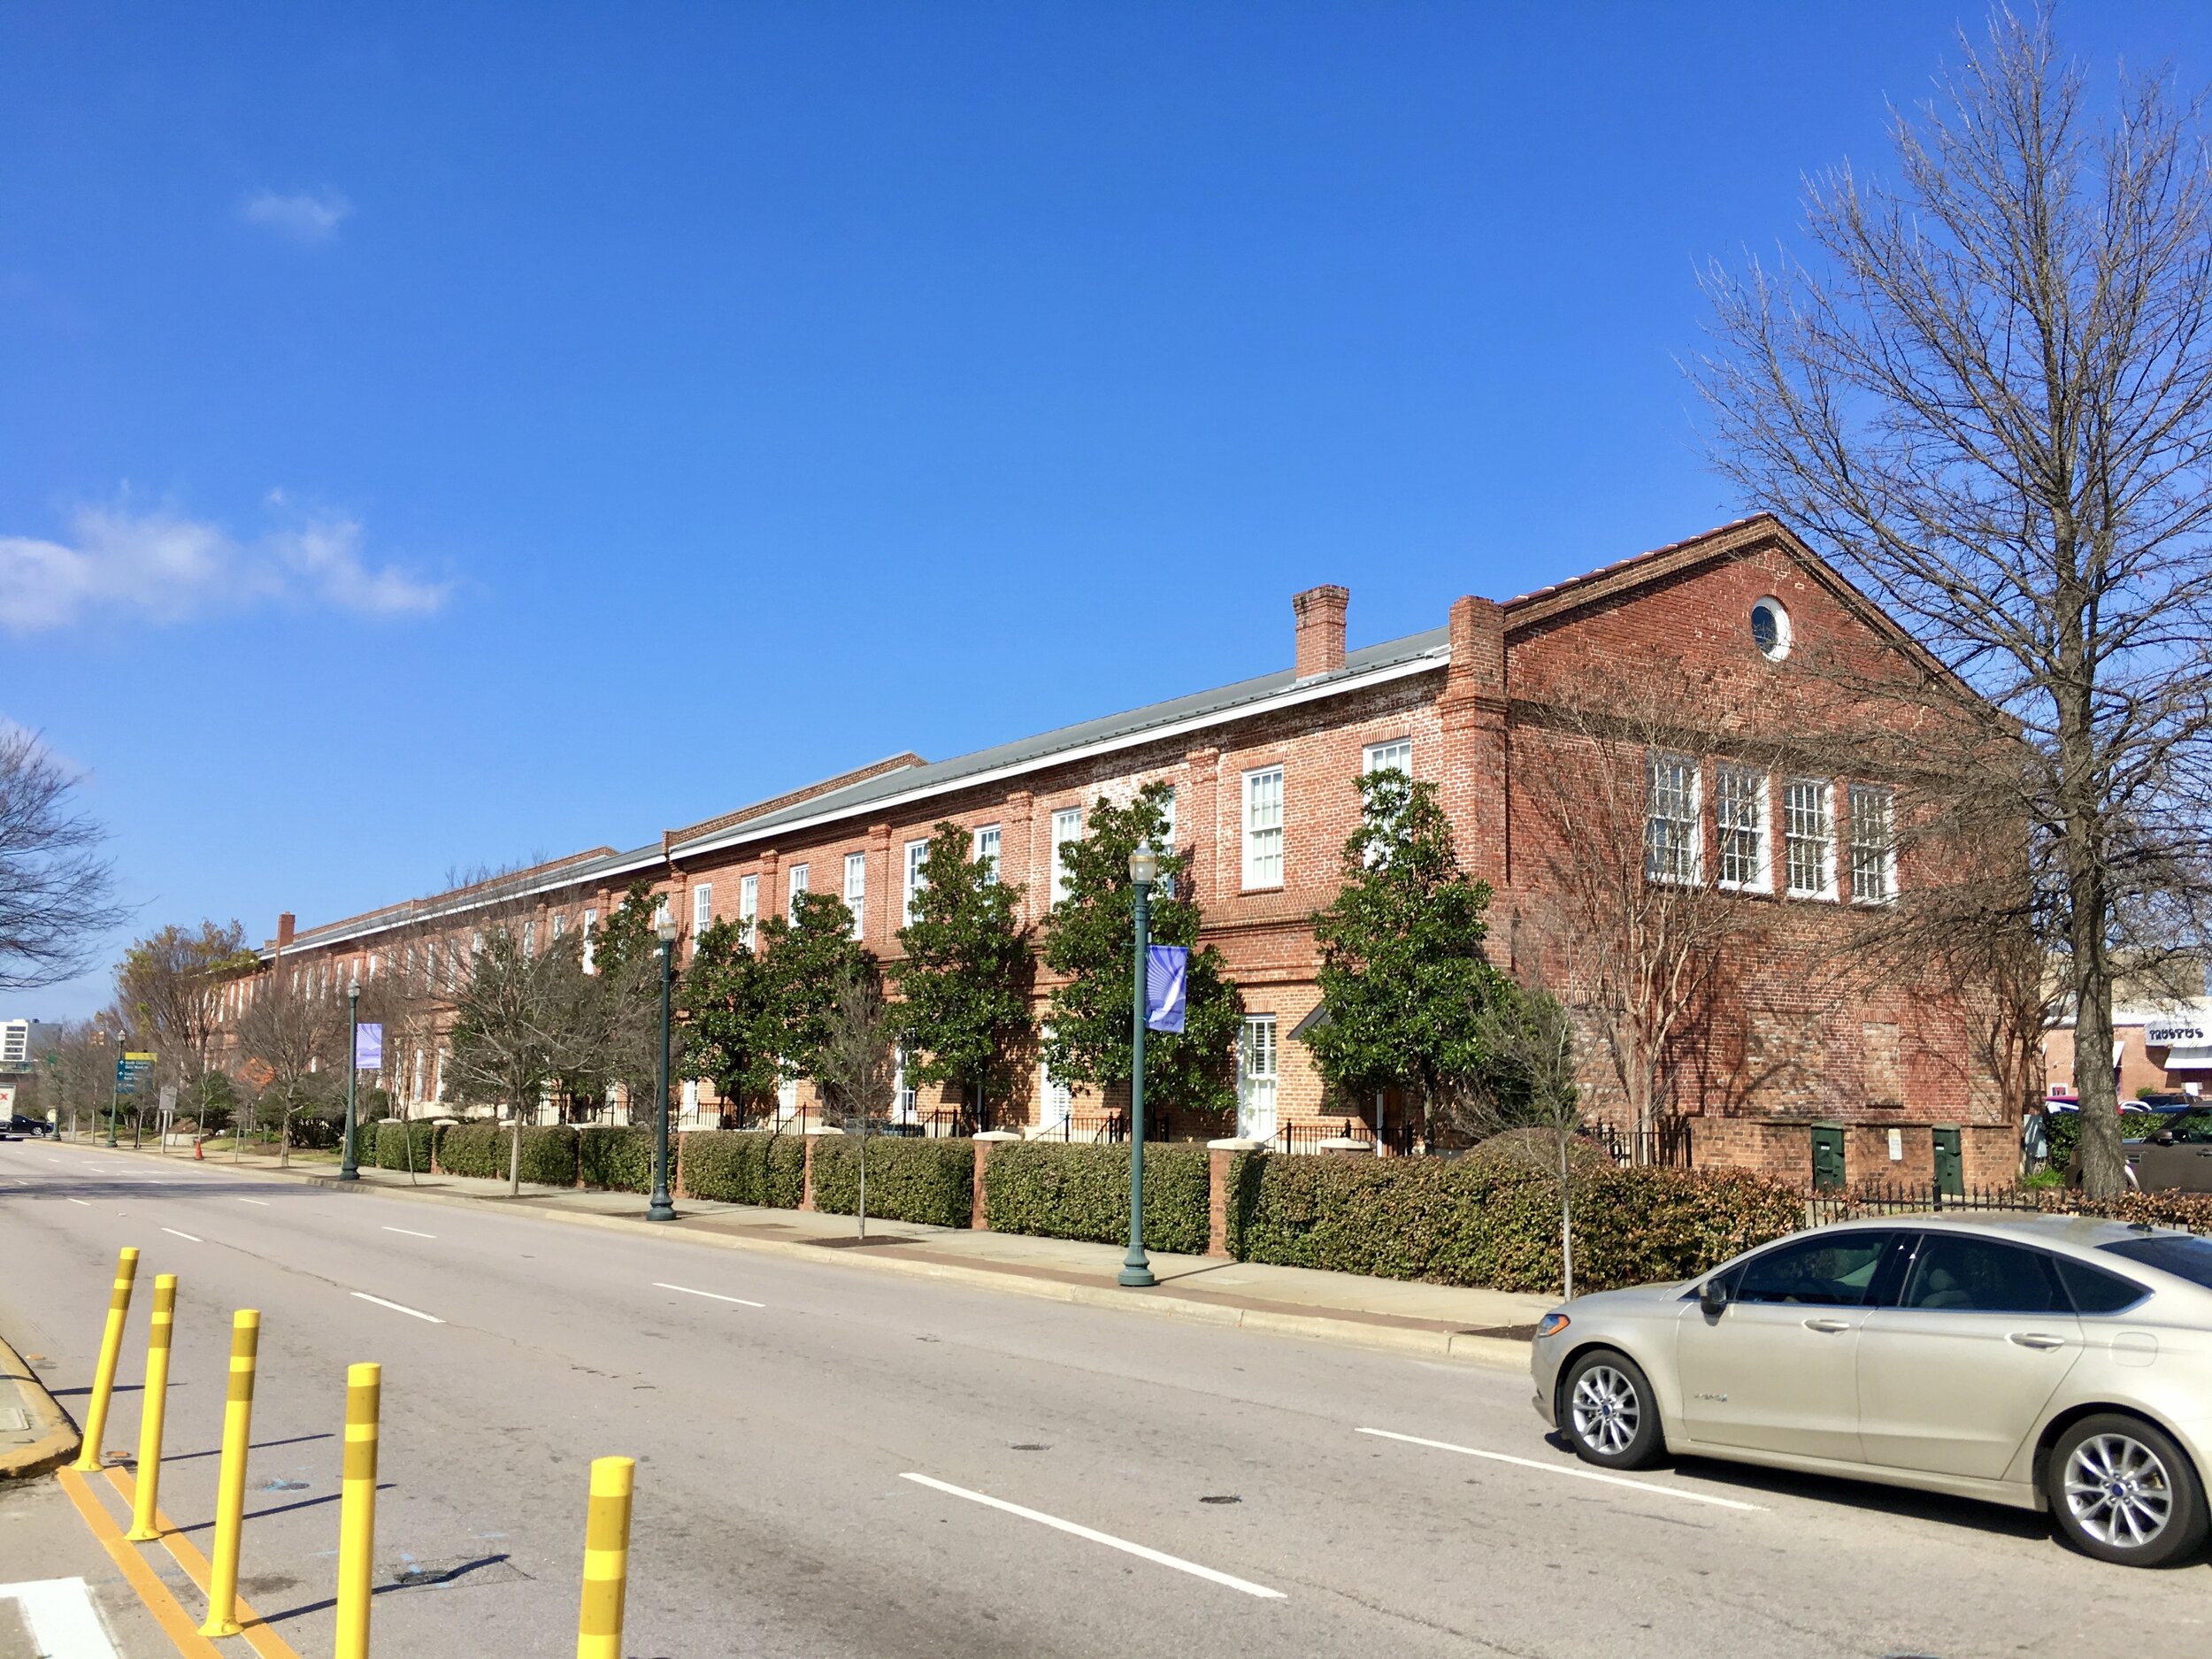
<point x="1060" y="1191"/>
<point x="915" y="1180"/>
<point x="2193" y="1210"/>
<point x="389" y="1145"/>
<point x="1459" y="1222"/>
<point x="549" y="1152"/>
<point x="745" y="1167"/>
<point x="621" y="1160"/>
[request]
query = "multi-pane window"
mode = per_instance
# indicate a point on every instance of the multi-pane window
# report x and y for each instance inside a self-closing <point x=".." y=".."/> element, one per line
<point x="591" y="923"/>
<point x="560" y="927"/>
<point x="986" y="851"/>
<point x="702" y="909"/>
<point x="1671" y="848"/>
<point x="1740" y="811"/>
<point x="1808" y="838"/>
<point x="857" y="887"/>
<point x="1165" y="887"/>
<point x="798" y="886"/>
<point x="1263" y="827"/>
<point x="529" y="941"/>
<point x="916" y="852"/>
<point x="1395" y="756"/>
<point x="1057" y="1097"/>
<point x="748" y="908"/>
<point x="1067" y="826"/>
<point x="1873" y="844"/>
<point x="1257" y="1078"/>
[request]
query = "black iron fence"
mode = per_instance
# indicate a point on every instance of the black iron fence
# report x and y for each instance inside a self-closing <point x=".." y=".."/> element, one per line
<point x="1666" y="1146"/>
<point x="1915" y="1198"/>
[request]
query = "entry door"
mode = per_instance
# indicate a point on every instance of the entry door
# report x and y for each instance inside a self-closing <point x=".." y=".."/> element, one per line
<point x="1953" y="1379"/>
<point x="1777" y="1368"/>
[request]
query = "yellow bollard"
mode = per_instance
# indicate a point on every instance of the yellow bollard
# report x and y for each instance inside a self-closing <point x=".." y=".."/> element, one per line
<point x="606" y="1559"/>
<point x="357" y="1510"/>
<point x="230" y="1487"/>
<point x="151" y="1406"/>
<point x="96" y="1418"/>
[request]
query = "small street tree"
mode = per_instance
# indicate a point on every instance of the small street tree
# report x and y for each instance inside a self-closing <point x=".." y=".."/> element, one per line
<point x="1527" y="1081"/>
<point x="1404" y="976"/>
<point x="858" y="1063"/>
<point x="292" y="1037"/>
<point x="173" y="982"/>
<point x="1090" y="937"/>
<point x="964" y="982"/>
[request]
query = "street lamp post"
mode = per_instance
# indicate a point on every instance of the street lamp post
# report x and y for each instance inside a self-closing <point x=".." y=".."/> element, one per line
<point x="661" y="1209"/>
<point x="349" y="1169"/>
<point x="1144" y="869"/>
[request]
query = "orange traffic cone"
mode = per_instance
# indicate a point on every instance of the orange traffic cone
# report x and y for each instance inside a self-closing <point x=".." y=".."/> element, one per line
<point x="199" y="1156"/>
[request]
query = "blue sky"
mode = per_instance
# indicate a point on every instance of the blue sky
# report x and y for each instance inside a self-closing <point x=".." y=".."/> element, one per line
<point x="439" y="436"/>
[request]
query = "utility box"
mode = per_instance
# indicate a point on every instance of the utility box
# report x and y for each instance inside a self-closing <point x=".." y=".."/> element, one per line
<point x="1950" y="1166"/>
<point x="1827" y="1157"/>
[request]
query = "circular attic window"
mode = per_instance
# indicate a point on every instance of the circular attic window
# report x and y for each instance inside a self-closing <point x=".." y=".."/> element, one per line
<point x="1770" y="629"/>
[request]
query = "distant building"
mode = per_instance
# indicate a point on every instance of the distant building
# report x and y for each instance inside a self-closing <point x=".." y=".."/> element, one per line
<point x="2159" y="1048"/>
<point x="15" y="1043"/>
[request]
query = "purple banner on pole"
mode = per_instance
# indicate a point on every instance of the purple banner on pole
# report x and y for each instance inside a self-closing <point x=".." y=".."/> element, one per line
<point x="368" y="1047"/>
<point x="1165" y="967"/>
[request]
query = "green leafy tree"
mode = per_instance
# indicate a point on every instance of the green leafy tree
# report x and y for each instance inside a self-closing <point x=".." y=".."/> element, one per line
<point x="1404" y="976"/>
<point x="1091" y="935"/>
<point x="810" y="958"/>
<point x="733" y="1020"/>
<point x="966" y="976"/>
<point x="625" y="982"/>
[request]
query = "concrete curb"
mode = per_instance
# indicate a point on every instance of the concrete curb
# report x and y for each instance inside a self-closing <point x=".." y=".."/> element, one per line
<point x="1489" y="1353"/>
<point x="58" y="1439"/>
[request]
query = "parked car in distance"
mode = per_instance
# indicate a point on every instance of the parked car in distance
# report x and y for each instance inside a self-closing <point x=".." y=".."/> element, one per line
<point x="19" y="1125"/>
<point x="2052" y="1362"/>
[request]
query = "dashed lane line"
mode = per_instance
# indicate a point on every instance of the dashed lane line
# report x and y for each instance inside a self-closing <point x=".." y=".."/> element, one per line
<point x="1143" y="1552"/>
<point x="411" y="1232"/>
<point x="412" y="1313"/>
<point x="709" y="1294"/>
<point x="81" y="1202"/>
<point x="262" y="1202"/>
<point x="187" y="1237"/>
<point x="1573" y="1473"/>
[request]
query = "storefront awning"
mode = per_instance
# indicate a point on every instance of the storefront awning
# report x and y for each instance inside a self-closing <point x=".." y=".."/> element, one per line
<point x="2189" y="1057"/>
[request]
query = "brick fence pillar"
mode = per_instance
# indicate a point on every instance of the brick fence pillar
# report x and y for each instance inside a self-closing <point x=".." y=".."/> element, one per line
<point x="806" y="1195"/>
<point x="1221" y="1156"/>
<point x="979" y="1213"/>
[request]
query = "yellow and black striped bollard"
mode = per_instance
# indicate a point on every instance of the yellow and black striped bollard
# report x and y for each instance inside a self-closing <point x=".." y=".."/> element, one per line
<point x="606" y="1559"/>
<point x="357" y="1510"/>
<point x="95" y="1417"/>
<point x="152" y="1408"/>
<point x="230" y="1489"/>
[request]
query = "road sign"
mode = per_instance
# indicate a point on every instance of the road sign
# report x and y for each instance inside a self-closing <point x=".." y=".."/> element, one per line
<point x="129" y="1069"/>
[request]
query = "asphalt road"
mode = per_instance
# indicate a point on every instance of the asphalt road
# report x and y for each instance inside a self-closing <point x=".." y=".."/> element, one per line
<point x="817" y="1445"/>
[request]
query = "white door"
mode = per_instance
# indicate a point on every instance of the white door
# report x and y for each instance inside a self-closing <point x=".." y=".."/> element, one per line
<point x="1256" y="1079"/>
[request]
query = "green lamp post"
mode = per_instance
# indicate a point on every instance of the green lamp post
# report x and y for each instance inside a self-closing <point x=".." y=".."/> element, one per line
<point x="661" y="1208"/>
<point x="349" y="1169"/>
<point x="1144" y="869"/>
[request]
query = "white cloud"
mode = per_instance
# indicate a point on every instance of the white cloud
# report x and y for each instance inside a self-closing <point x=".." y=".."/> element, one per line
<point x="163" y="567"/>
<point x="302" y="215"/>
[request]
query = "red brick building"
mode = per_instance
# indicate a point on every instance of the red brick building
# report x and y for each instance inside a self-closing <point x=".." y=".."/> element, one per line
<point x="1263" y="776"/>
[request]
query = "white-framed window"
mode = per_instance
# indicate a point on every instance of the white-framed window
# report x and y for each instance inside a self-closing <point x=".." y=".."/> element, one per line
<point x="702" y="909"/>
<point x="986" y="851"/>
<point x="798" y="885"/>
<point x="1067" y="826"/>
<point x="787" y="1097"/>
<point x="857" y="888"/>
<point x="476" y="945"/>
<point x="1395" y="756"/>
<point x="916" y="852"/>
<point x="529" y="941"/>
<point x="691" y="1097"/>
<point x="1257" y="1078"/>
<point x="591" y="923"/>
<point x="1056" y="1100"/>
<point x="1873" y="844"/>
<point x="1673" y="844"/>
<point x="560" y="929"/>
<point x="1263" y="827"/>
<point x="1808" y="838"/>
<point x="903" y="1094"/>
<point x="416" y="1092"/>
<point x="1740" y="811"/>
<point x="748" y="908"/>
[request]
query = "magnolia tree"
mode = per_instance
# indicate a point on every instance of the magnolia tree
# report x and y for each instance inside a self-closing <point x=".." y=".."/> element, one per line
<point x="963" y="982"/>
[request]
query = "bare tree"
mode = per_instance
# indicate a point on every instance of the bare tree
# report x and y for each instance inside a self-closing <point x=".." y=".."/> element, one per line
<point x="1529" y="1082"/>
<point x="292" y="1037"/>
<point x="56" y="891"/>
<point x="1988" y="393"/>
<point x="173" y="982"/>
<point x="858" y="1063"/>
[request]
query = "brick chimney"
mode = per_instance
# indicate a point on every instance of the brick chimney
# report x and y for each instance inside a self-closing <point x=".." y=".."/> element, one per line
<point x="1321" y="628"/>
<point x="287" y="924"/>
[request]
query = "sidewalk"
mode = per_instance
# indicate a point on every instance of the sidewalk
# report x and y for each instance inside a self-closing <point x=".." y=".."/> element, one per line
<point x="1485" y="1327"/>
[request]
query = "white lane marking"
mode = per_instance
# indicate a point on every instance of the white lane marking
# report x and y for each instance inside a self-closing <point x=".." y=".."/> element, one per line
<point x="709" y="1294"/>
<point x="411" y="1232"/>
<point x="1577" y="1474"/>
<point x="262" y="1202"/>
<point x="1159" y="1556"/>
<point x="79" y="1200"/>
<point x="64" y="1623"/>
<point x="415" y="1313"/>
<point x="183" y="1235"/>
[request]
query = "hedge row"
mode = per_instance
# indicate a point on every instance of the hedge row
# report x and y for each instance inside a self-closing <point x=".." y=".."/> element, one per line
<point x="1466" y="1222"/>
<point x="2193" y="1210"/>
<point x="1082" y="1192"/>
<point x="619" y="1159"/>
<point x="549" y="1152"/>
<point x="745" y="1167"/>
<point x="389" y="1146"/>
<point x="925" y="1180"/>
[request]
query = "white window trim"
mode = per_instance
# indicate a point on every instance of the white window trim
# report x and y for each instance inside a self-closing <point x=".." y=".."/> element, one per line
<point x="1375" y="757"/>
<point x="985" y="844"/>
<point x="857" y="890"/>
<point x="1696" y="821"/>
<point x="798" y="881"/>
<point x="1825" y="842"/>
<point x="591" y="944"/>
<point x="1251" y="1083"/>
<point x="748" y="908"/>
<point x="1067" y="829"/>
<point x="1762" y="874"/>
<point x="1886" y="849"/>
<point x="916" y="851"/>
<point x="702" y="908"/>
<point x="1252" y="874"/>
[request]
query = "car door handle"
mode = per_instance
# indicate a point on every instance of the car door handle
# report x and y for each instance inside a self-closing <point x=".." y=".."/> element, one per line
<point x="1830" y="1326"/>
<point x="2036" y="1339"/>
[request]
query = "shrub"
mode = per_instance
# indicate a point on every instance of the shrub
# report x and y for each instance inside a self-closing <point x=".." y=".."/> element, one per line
<point x="390" y="1145"/>
<point x="745" y="1167"/>
<point x="1060" y="1191"/>
<point x="1468" y="1221"/>
<point x="2193" y="1210"/>
<point x="919" y="1180"/>
<point x="621" y="1160"/>
<point x="549" y="1152"/>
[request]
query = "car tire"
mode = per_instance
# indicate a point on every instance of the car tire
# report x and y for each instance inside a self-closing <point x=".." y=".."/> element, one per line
<point x="1608" y="1411"/>
<point x="2122" y="1491"/>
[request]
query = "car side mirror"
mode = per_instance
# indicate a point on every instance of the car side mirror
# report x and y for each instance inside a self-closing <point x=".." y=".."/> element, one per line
<point x="1712" y="1296"/>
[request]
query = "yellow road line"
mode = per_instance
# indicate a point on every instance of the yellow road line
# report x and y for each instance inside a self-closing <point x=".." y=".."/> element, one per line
<point x="175" y="1623"/>
<point x="262" y="1638"/>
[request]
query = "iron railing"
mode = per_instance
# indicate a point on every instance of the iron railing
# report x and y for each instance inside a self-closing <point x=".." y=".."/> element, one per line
<point x="1915" y="1198"/>
<point x="1666" y="1146"/>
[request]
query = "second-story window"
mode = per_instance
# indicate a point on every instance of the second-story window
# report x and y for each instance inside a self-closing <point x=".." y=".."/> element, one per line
<point x="530" y="941"/>
<point x="857" y="888"/>
<point x="1809" y="837"/>
<point x="748" y="908"/>
<point x="1873" y="845"/>
<point x="798" y="886"/>
<point x="702" y="909"/>
<point x="591" y="922"/>
<point x="986" y="851"/>
<point x="1740" y="808"/>
<point x="916" y="852"/>
<point x="1395" y="756"/>
<point x="1067" y="826"/>
<point x="1263" y="827"/>
<point x="1673" y="843"/>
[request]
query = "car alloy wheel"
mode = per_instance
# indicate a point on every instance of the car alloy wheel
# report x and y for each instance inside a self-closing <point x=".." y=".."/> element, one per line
<point x="2118" y="1491"/>
<point x="1605" y="1410"/>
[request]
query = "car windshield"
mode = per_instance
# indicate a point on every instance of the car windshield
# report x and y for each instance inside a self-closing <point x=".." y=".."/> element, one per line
<point x="2183" y="1255"/>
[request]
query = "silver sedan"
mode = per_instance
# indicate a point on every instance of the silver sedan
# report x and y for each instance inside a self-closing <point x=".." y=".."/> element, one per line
<point x="2047" y="1361"/>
